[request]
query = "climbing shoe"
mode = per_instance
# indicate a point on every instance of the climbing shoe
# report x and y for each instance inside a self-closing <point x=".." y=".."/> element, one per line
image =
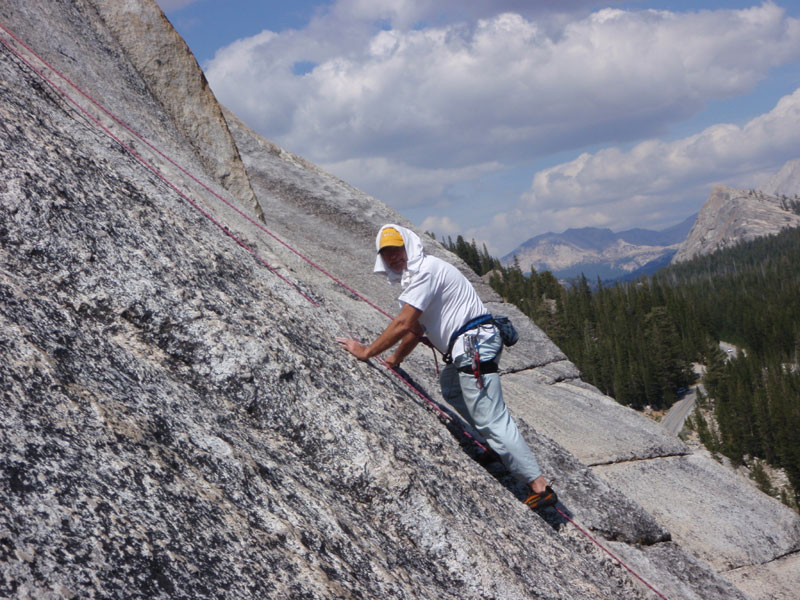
<point x="542" y="499"/>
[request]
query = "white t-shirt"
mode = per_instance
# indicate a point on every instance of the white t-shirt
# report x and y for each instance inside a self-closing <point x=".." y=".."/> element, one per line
<point x="447" y="301"/>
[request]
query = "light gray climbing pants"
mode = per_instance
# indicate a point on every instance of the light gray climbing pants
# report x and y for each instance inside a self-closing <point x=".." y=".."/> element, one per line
<point x="485" y="410"/>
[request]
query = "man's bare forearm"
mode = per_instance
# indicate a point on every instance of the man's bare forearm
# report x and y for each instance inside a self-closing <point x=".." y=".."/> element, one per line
<point x="405" y="324"/>
<point x="407" y="344"/>
<point x="396" y="331"/>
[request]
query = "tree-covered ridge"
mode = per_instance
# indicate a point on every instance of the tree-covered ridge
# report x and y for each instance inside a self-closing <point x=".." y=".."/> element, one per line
<point x="636" y="341"/>
<point x="747" y="295"/>
<point x="750" y="295"/>
<point x="479" y="261"/>
<point x="757" y="408"/>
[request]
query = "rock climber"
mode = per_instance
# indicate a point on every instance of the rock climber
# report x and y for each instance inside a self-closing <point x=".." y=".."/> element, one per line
<point x="437" y="301"/>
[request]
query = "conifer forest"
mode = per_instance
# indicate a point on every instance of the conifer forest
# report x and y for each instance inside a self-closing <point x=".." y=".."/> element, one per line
<point x="636" y="341"/>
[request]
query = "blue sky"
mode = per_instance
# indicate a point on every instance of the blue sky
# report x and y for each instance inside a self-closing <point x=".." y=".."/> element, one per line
<point x="503" y="119"/>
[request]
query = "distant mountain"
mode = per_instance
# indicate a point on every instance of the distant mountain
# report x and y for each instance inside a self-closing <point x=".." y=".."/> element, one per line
<point x="731" y="216"/>
<point x="601" y="253"/>
<point x="786" y="182"/>
<point x="648" y="269"/>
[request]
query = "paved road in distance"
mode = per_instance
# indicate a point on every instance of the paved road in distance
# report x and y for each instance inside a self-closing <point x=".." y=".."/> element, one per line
<point x="673" y="420"/>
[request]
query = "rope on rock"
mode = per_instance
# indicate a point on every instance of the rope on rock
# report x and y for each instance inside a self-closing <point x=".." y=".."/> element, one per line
<point x="140" y="158"/>
<point x="246" y="247"/>
<point x="150" y="167"/>
<point x="205" y="213"/>
<point x="611" y="554"/>
<point x="173" y="163"/>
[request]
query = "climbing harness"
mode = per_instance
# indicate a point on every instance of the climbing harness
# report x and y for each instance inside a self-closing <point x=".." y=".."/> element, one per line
<point x="508" y="334"/>
<point x="447" y="357"/>
<point x="507" y="331"/>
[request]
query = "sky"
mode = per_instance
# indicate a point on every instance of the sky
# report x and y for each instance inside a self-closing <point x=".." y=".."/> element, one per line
<point x="500" y="120"/>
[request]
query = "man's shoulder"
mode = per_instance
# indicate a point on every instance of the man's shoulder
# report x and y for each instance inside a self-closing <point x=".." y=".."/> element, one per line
<point x="432" y="271"/>
<point x="434" y="262"/>
<point x="439" y="265"/>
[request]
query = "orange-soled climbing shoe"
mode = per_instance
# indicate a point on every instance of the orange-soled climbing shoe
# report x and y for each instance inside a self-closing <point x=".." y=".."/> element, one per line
<point x="542" y="499"/>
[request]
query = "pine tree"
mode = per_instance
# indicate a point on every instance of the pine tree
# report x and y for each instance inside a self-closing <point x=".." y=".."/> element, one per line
<point x="759" y="474"/>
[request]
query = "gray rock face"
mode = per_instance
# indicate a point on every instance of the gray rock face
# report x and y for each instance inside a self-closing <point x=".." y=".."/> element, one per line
<point x="673" y="488"/>
<point x="178" y="421"/>
<point x="732" y="216"/>
<point x="652" y="562"/>
<point x="783" y="575"/>
<point x="176" y="81"/>
<point x="178" y="424"/>
<point x="592" y="426"/>
<point x="785" y="182"/>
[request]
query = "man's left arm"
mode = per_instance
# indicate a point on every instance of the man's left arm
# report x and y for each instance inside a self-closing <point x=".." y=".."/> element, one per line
<point x="405" y="326"/>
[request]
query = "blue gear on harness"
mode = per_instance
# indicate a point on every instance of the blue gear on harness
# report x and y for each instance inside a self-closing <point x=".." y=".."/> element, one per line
<point x="471" y="324"/>
<point x="508" y="334"/>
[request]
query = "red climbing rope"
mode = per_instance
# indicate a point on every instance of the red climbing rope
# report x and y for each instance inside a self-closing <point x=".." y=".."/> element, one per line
<point x="203" y="185"/>
<point x="175" y="164"/>
<point x="145" y="163"/>
<point x="230" y="234"/>
<point x="611" y="554"/>
<point x="153" y="169"/>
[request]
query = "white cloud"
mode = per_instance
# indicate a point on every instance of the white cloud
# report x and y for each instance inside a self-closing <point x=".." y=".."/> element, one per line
<point x="655" y="181"/>
<point x="406" y="113"/>
<point x="405" y="14"/>
<point x="442" y="226"/>
<point x="498" y="89"/>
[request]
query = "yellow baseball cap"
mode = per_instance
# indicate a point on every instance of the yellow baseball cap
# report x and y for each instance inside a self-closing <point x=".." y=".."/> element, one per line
<point x="390" y="237"/>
